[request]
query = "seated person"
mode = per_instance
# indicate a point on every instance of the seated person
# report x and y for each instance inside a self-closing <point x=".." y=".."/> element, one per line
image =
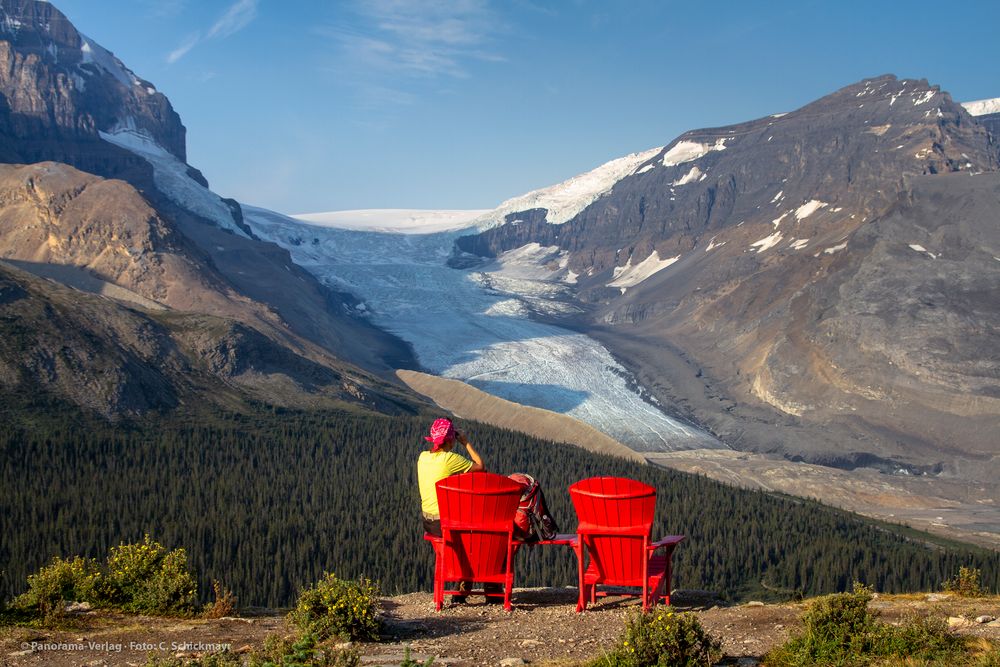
<point x="438" y="462"/>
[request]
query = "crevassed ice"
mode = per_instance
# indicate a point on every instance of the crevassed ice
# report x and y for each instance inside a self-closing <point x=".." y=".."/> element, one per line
<point x="460" y="329"/>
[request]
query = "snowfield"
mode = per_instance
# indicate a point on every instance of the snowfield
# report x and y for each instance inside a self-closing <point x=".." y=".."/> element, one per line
<point x="982" y="107"/>
<point x="564" y="200"/>
<point x="475" y="326"/>
<point x="393" y="220"/>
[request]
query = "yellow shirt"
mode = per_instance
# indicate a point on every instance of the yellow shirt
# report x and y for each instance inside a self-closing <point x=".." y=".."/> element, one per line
<point x="434" y="466"/>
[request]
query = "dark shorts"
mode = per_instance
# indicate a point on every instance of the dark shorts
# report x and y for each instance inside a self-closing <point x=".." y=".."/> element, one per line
<point x="432" y="526"/>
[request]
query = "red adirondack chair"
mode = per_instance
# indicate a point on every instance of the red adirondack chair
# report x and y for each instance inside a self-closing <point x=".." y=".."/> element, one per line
<point x="477" y="526"/>
<point x="615" y="520"/>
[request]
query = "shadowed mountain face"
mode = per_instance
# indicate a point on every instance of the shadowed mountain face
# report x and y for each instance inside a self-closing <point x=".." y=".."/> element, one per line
<point x="819" y="284"/>
<point x="58" y="343"/>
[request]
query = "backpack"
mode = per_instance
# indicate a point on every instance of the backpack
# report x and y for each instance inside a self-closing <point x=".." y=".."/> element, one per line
<point x="532" y="521"/>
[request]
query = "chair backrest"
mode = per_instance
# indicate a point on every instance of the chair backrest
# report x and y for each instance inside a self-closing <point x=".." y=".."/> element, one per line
<point x="615" y="518"/>
<point x="477" y="522"/>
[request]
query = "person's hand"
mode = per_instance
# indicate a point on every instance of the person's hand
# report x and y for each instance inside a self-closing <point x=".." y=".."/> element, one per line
<point x="461" y="437"/>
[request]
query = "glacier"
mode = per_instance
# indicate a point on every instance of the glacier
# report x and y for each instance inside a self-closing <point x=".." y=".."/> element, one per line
<point x="476" y="326"/>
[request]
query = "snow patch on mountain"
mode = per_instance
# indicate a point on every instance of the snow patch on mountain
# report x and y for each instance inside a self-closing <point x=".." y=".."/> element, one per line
<point x="690" y="177"/>
<point x="630" y="276"/>
<point x="473" y="327"/>
<point x="395" y="220"/>
<point x="95" y="54"/>
<point x="767" y="242"/>
<point x="562" y="202"/>
<point x="982" y="107"/>
<point x="685" y="151"/>
<point x="807" y="209"/>
<point x="171" y="175"/>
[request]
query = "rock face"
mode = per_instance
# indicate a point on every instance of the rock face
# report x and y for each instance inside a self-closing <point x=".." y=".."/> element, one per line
<point x="826" y="278"/>
<point x="58" y="89"/>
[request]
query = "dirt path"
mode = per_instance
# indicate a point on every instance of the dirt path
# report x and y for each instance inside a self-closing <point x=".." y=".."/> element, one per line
<point x="543" y="629"/>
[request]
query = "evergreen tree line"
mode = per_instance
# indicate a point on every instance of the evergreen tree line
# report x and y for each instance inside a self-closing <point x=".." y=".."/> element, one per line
<point x="267" y="503"/>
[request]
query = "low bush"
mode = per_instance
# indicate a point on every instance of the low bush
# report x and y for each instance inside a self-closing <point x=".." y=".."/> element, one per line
<point x="289" y="652"/>
<point x="221" y="659"/>
<point x="147" y="578"/>
<point x="967" y="583"/>
<point x="663" y="638"/>
<point x="224" y="604"/>
<point x="339" y="608"/>
<point x="839" y="629"/>
<point x="61" y="581"/>
<point x="144" y="578"/>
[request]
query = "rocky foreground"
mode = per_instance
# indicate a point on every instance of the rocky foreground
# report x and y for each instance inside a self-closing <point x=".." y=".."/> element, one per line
<point x="542" y="629"/>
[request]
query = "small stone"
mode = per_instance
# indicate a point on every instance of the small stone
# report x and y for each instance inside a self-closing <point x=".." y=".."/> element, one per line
<point x="985" y="619"/>
<point x="994" y="624"/>
<point x="531" y="642"/>
<point x="779" y="626"/>
<point x="512" y="662"/>
<point x="937" y="597"/>
<point x="343" y="645"/>
<point x="755" y="603"/>
<point x="957" y="621"/>
<point x="77" y="607"/>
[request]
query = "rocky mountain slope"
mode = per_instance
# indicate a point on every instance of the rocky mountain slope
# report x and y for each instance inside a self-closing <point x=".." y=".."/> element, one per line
<point x="820" y="284"/>
<point x="97" y="195"/>
<point x="58" y="343"/>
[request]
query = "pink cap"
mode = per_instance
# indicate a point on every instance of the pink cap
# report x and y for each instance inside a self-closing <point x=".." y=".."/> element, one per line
<point x="442" y="431"/>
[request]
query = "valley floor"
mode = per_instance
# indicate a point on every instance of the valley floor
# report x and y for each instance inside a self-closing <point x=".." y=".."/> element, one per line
<point x="543" y="629"/>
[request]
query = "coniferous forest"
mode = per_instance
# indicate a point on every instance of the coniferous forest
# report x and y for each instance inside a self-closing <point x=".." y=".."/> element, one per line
<point x="266" y="503"/>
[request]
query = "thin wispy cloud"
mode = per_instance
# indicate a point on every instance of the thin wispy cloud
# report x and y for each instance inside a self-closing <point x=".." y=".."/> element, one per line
<point x="418" y="37"/>
<point x="237" y="17"/>
<point x="189" y="43"/>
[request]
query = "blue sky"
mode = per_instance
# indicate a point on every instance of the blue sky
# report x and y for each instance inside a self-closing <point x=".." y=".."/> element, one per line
<point x="309" y="105"/>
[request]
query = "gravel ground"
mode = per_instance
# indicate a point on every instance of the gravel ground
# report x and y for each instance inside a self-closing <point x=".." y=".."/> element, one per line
<point x="542" y="629"/>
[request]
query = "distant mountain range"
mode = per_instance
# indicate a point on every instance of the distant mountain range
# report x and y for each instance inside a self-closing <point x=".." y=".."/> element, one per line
<point x="822" y="284"/>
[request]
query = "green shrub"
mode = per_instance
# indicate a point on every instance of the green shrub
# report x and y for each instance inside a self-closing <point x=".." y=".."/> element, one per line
<point x="839" y="629"/>
<point x="337" y="608"/>
<point x="61" y="581"/>
<point x="143" y="577"/>
<point x="221" y="659"/>
<point x="410" y="662"/>
<point x="966" y="583"/>
<point x="147" y="578"/>
<point x="663" y="638"/>
<point x="288" y="652"/>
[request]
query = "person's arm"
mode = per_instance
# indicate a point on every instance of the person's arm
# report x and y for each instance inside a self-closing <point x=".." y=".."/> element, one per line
<point x="477" y="460"/>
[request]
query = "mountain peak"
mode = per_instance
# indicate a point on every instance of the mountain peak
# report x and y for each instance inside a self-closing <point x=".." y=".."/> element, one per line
<point x="61" y="85"/>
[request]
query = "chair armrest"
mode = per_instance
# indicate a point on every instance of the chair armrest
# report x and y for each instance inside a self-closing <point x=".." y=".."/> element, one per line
<point x="669" y="541"/>
<point x="562" y="539"/>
